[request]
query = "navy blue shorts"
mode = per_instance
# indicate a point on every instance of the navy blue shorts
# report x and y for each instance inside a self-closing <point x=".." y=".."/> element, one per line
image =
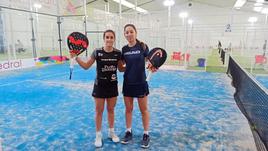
<point x="135" y="90"/>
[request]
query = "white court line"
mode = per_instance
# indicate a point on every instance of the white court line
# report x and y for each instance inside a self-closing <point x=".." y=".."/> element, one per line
<point x="41" y="78"/>
<point x="177" y="68"/>
<point x="211" y="99"/>
<point x="14" y="83"/>
<point x="221" y="101"/>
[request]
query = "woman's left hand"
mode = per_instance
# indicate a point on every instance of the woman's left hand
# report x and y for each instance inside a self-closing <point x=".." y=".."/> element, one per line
<point x="151" y="67"/>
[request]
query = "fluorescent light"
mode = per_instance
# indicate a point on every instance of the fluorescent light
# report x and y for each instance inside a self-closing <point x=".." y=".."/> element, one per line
<point x="36" y="5"/>
<point x="125" y="3"/>
<point x="260" y="1"/>
<point x="141" y="10"/>
<point x="252" y="19"/>
<point x="190" y="21"/>
<point x="258" y="4"/>
<point x="257" y="9"/>
<point x="183" y="15"/>
<point x="168" y="2"/>
<point x="130" y="5"/>
<point x="264" y="11"/>
<point x="239" y="3"/>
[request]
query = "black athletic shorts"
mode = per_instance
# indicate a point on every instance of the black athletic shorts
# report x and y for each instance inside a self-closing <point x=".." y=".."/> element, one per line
<point x="105" y="91"/>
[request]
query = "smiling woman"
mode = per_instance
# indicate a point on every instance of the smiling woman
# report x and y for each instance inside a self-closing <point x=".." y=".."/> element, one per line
<point x="105" y="89"/>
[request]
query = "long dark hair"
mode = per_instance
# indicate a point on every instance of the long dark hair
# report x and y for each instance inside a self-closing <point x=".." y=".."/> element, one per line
<point x="108" y="31"/>
<point x="131" y="25"/>
<point x="143" y="45"/>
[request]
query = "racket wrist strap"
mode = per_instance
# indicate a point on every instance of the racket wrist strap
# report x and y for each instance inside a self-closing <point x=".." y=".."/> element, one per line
<point x="72" y="62"/>
<point x="74" y="58"/>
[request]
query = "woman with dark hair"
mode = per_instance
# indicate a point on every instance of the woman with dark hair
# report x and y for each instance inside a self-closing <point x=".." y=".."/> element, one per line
<point x="135" y="85"/>
<point x="108" y="59"/>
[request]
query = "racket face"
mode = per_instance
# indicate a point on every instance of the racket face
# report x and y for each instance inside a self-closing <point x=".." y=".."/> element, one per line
<point x="157" y="56"/>
<point x="77" y="42"/>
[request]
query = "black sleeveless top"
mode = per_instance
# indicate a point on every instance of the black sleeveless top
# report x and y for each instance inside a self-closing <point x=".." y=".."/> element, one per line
<point x="106" y="66"/>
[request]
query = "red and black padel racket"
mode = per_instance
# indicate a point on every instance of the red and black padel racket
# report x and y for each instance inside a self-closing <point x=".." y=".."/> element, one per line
<point x="77" y="43"/>
<point x="157" y="57"/>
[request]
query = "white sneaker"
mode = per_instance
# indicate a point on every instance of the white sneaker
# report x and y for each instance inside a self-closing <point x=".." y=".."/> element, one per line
<point x="98" y="140"/>
<point x="113" y="136"/>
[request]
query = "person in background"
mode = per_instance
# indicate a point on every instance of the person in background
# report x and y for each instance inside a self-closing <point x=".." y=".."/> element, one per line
<point x="219" y="47"/>
<point x="264" y="48"/>
<point x="19" y="46"/>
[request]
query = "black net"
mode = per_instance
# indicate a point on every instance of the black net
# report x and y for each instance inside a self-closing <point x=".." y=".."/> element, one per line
<point x="252" y="99"/>
<point x="222" y="55"/>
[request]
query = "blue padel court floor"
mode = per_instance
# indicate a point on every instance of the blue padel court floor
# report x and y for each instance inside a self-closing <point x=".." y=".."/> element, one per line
<point x="263" y="80"/>
<point x="41" y="109"/>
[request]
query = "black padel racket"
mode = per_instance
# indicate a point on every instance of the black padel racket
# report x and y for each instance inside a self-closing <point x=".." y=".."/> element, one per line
<point x="77" y="43"/>
<point x="157" y="57"/>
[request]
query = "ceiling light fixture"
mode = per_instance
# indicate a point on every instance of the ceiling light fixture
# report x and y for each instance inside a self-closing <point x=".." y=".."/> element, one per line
<point x="130" y="5"/>
<point x="168" y="2"/>
<point x="190" y="21"/>
<point x="183" y="15"/>
<point x="260" y="1"/>
<point x="264" y="11"/>
<point x="38" y="6"/>
<point x="258" y="4"/>
<point x="239" y="3"/>
<point x="257" y="9"/>
<point x="252" y="19"/>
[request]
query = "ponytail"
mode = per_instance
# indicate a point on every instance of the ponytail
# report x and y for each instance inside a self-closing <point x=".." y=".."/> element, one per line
<point x="143" y="45"/>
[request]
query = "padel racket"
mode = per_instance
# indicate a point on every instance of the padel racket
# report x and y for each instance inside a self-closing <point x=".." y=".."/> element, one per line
<point x="77" y="43"/>
<point x="157" y="57"/>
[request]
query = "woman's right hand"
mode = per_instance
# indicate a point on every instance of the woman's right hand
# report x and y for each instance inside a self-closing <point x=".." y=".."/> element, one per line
<point x="73" y="55"/>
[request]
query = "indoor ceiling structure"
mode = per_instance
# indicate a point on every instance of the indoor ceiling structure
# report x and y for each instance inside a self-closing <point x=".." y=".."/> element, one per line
<point x="157" y="5"/>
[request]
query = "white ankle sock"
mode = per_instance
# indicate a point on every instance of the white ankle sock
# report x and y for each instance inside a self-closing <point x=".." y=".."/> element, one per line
<point x="98" y="133"/>
<point x="129" y="129"/>
<point x="113" y="136"/>
<point x="111" y="129"/>
<point x="146" y="132"/>
<point x="98" y="140"/>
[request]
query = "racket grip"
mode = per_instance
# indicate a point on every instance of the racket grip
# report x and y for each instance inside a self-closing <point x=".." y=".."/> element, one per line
<point x="72" y="60"/>
<point x="71" y="72"/>
<point x="149" y="76"/>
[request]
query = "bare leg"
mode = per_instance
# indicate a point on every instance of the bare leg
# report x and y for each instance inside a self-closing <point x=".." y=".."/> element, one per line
<point x="110" y="108"/>
<point x="144" y="112"/>
<point x="99" y="107"/>
<point x="129" y="108"/>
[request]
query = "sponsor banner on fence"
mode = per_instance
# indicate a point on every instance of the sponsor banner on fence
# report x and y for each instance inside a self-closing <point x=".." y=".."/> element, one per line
<point x="32" y="62"/>
<point x="16" y="64"/>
